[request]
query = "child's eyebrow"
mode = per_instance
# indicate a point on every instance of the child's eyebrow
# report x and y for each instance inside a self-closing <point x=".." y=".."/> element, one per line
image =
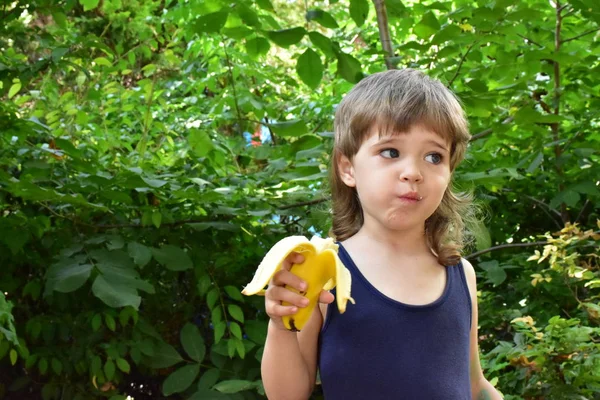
<point x="389" y="140"/>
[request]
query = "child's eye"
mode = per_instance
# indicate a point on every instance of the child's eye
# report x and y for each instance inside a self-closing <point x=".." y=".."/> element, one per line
<point x="434" y="158"/>
<point x="390" y="153"/>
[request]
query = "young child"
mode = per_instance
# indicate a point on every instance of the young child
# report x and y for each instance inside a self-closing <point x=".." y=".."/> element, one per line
<point x="412" y="334"/>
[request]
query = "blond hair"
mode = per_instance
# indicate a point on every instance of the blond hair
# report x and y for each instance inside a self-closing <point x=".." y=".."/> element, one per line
<point x="394" y="101"/>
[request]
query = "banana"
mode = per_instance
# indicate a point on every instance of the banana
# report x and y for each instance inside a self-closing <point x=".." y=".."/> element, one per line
<point x="321" y="270"/>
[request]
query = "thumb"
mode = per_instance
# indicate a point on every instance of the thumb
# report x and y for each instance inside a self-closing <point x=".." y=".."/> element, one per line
<point x="326" y="297"/>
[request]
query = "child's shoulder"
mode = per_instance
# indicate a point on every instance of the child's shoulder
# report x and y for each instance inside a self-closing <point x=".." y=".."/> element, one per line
<point x="470" y="275"/>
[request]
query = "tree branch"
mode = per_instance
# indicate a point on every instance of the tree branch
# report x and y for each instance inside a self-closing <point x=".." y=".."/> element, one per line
<point x="582" y="35"/>
<point x="504" y="246"/>
<point x="384" y="32"/>
<point x="460" y="64"/>
<point x="489" y="130"/>
<point x="235" y="99"/>
<point x="556" y="126"/>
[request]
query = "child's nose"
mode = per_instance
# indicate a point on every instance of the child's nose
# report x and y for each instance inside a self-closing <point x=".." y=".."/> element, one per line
<point x="411" y="173"/>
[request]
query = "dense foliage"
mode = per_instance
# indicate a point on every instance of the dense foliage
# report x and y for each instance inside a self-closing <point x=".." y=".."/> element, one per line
<point x="152" y="151"/>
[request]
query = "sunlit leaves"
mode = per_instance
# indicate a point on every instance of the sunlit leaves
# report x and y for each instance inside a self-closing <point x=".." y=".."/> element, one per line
<point x="286" y="37"/>
<point x="359" y="10"/>
<point x="310" y="68"/>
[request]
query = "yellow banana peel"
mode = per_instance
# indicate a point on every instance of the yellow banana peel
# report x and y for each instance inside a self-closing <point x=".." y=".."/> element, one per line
<point x="322" y="269"/>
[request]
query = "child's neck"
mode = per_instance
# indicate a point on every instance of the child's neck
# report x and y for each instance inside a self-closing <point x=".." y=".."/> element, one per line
<point x="410" y="243"/>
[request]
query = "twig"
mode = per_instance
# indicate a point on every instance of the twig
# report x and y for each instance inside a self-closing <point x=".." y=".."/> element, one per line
<point x="530" y="41"/>
<point x="582" y="35"/>
<point x="504" y="246"/>
<point x="582" y="210"/>
<point x="460" y="64"/>
<point x="304" y="203"/>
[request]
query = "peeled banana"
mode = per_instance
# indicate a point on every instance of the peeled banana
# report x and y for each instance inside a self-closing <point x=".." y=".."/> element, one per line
<point x="321" y="270"/>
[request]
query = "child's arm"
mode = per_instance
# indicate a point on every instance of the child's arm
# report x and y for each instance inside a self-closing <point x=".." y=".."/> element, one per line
<point x="481" y="389"/>
<point x="289" y="362"/>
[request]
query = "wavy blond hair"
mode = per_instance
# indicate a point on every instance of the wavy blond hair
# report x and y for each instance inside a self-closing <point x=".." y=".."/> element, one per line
<point x="394" y="101"/>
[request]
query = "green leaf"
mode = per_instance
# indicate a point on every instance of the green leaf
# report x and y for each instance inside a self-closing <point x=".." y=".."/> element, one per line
<point x="207" y="394"/>
<point x="181" y="379"/>
<point x="165" y="356"/>
<point x="349" y="68"/>
<point x="60" y="18"/>
<point x="234" y="293"/>
<point x="236" y="312"/>
<point x="482" y="235"/>
<point x="286" y="37"/>
<point x="115" y="294"/>
<point x="173" y="258"/>
<point x="310" y="68"/>
<point x="67" y="275"/>
<point x="569" y="197"/>
<point x="43" y="366"/>
<point x="265" y="5"/>
<point x="359" y="10"/>
<point x="257" y="47"/>
<point x="428" y="26"/>
<point x="141" y="254"/>
<point x="156" y="218"/>
<point x="109" y="369"/>
<point x="200" y="142"/>
<point x="57" y="366"/>
<point x="209" y="378"/>
<point x="322" y="17"/>
<point x="289" y="128"/>
<point x="537" y="161"/>
<point x="235" y="330"/>
<point x="96" y="322"/>
<point x="323" y="43"/>
<point x="212" y="297"/>
<point x="256" y="331"/>
<point x="494" y="273"/>
<point x="210" y="23"/>
<point x="110" y="322"/>
<point x="13" y="357"/>
<point x="192" y="342"/>
<point x="14" y="89"/>
<point x="219" y="331"/>
<point x="234" y="386"/>
<point x="123" y="365"/>
<point x="89" y="4"/>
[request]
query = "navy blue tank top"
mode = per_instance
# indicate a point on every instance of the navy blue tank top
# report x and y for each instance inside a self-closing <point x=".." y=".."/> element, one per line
<point x="384" y="349"/>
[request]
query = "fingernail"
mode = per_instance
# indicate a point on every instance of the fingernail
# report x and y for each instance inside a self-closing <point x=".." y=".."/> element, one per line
<point x="304" y="302"/>
<point x="302" y="286"/>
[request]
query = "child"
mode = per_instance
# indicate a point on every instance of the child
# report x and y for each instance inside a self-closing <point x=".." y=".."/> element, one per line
<point x="412" y="334"/>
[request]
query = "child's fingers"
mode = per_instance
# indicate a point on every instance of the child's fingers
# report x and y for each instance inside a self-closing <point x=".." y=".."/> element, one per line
<point x="283" y="277"/>
<point x="277" y="294"/>
<point x="292" y="258"/>
<point x="326" y="297"/>
<point x="277" y="310"/>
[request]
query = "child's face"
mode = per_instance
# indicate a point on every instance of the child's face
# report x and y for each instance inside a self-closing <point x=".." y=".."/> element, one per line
<point x="389" y="172"/>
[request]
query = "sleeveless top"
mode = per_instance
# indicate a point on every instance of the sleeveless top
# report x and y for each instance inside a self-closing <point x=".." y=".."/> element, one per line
<point x="384" y="349"/>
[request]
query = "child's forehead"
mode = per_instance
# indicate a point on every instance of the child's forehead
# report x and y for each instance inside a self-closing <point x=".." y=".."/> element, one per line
<point x="379" y="133"/>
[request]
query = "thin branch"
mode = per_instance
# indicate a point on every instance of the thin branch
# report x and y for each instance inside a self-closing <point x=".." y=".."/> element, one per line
<point x="304" y="203"/>
<point x="563" y="7"/>
<point x="460" y="64"/>
<point x="582" y="210"/>
<point x="504" y="246"/>
<point x="489" y="130"/>
<point x="530" y="41"/>
<point x="582" y="35"/>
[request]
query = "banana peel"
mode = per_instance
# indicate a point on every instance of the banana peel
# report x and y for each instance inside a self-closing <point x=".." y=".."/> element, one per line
<point x="322" y="269"/>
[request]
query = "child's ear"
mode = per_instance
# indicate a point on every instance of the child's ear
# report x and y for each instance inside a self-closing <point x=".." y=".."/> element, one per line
<point x="346" y="171"/>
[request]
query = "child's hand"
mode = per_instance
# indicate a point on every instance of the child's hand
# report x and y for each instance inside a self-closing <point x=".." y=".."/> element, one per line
<point x="276" y="292"/>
